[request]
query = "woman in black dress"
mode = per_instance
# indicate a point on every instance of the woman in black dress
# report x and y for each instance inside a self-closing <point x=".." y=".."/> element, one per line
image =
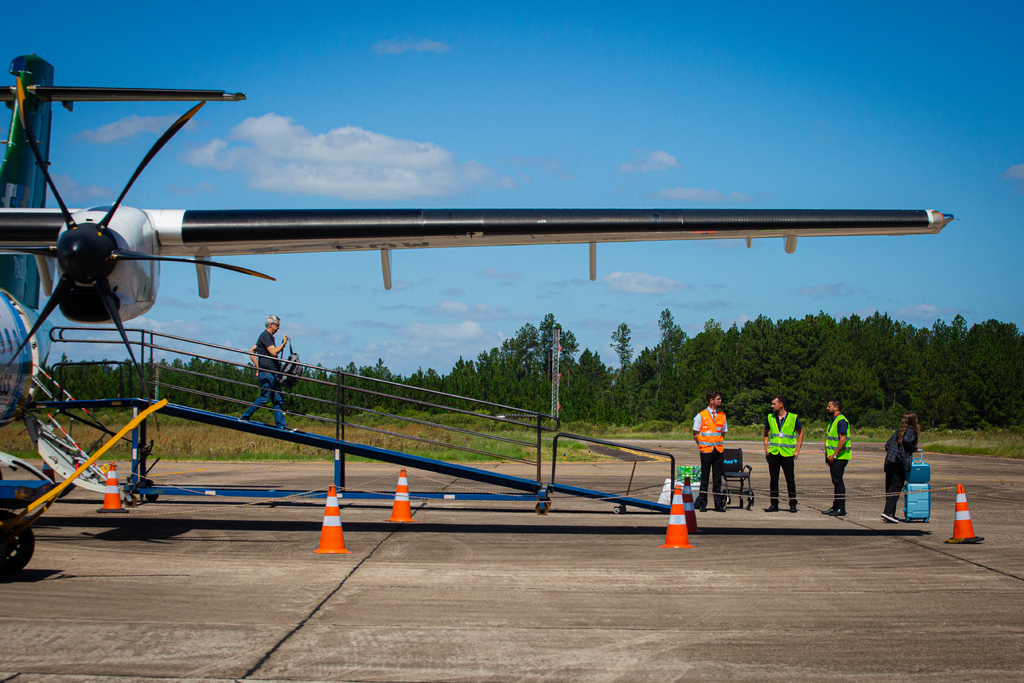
<point x="899" y="454"/>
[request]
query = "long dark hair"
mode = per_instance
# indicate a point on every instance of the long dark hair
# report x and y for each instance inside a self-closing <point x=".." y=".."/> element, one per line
<point x="909" y="420"/>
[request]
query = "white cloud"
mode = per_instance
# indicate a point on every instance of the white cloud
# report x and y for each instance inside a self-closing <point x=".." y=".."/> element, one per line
<point x="397" y="47"/>
<point x="478" y="311"/>
<point x="128" y="127"/>
<point x="429" y="345"/>
<point x="298" y="332"/>
<point x="495" y="274"/>
<point x="279" y="155"/>
<point x="202" y="187"/>
<point x="73" y="191"/>
<point x="642" y="283"/>
<point x="697" y="194"/>
<point x="1016" y="174"/>
<point x="654" y="161"/>
<point x="1015" y="171"/>
<point x="930" y="312"/>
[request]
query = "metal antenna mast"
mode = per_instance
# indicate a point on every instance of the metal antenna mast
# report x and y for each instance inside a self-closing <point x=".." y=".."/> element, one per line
<point x="556" y="375"/>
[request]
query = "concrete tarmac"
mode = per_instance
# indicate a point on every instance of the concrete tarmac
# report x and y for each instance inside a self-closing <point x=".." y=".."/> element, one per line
<point x="212" y="589"/>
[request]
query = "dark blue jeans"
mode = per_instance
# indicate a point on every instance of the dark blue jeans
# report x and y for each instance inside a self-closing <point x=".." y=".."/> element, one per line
<point x="270" y="392"/>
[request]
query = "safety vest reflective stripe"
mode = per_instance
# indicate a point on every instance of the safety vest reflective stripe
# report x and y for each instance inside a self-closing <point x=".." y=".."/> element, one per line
<point x="832" y="439"/>
<point x="783" y="442"/>
<point x="710" y="436"/>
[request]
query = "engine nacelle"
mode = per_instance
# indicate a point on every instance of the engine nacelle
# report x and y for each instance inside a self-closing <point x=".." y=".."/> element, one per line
<point x="135" y="283"/>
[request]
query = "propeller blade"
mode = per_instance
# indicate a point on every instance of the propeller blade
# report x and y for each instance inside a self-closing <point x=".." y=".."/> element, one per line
<point x="59" y="292"/>
<point x="125" y="255"/>
<point x="26" y="124"/>
<point x="168" y="134"/>
<point x="110" y="303"/>
<point x="37" y="251"/>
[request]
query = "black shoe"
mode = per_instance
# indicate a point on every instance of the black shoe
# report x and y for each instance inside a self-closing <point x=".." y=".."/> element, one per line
<point x="839" y="513"/>
<point x="719" y="509"/>
<point x="830" y="511"/>
<point x="703" y="508"/>
<point x="792" y="508"/>
<point x="772" y="508"/>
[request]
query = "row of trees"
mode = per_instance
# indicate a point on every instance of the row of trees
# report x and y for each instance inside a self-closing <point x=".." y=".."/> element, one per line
<point x="949" y="374"/>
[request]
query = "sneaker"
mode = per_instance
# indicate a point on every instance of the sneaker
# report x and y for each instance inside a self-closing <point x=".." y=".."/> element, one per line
<point x="890" y="519"/>
<point x="244" y="419"/>
<point x="772" y="508"/>
<point x="289" y="429"/>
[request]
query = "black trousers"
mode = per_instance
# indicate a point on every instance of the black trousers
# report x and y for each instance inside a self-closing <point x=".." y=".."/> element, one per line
<point x="711" y="464"/>
<point x="895" y="477"/>
<point x="776" y="462"/>
<point x="837" y="468"/>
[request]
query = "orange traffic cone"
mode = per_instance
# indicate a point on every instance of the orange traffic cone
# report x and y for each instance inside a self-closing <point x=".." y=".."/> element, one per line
<point x="691" y="514"/>
<point x="400" y="511"/>
<point x="676" y="536"/>
<point x="112" y="494"/>
<point x="963" y="530"/>
<point x="332" y="539"/>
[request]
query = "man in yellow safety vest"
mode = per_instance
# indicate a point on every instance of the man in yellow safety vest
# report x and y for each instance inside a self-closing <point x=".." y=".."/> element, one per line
<point x="838" y="449"/>
<point x="709" y="428"/>
<point x="783" y="437"/>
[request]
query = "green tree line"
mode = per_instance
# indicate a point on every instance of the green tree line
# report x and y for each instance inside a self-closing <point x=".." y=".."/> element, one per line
<point x="950" y="374"/>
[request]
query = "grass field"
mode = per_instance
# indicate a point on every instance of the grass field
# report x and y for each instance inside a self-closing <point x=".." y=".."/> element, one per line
<point x="177" y="439"/>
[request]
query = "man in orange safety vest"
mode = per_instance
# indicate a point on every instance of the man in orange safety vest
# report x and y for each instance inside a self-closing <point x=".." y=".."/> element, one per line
<point x="709" y="428"/>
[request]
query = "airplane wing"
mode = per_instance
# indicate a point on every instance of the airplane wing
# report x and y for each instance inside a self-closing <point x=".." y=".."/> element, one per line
<point x="282" y="231"/>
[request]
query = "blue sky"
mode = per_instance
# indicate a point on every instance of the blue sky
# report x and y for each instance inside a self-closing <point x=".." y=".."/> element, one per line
<point x="912" y="105"/>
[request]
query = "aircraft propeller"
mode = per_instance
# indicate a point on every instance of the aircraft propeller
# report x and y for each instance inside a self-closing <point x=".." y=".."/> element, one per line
<point x="88" y="253"/>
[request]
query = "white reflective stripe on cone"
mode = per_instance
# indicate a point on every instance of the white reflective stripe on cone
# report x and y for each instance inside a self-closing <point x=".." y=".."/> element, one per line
<point x="961" y="497"/>
<point x="332" y="520"/>
<point x="332" y="501"/>
<point x="403" y="496"/>
<point x="676" y="519"/>
<point x="402" y="481"/>
<point x="111" y="489"/>
<point x="677" y="500"/>
<point x="962" y="515"/>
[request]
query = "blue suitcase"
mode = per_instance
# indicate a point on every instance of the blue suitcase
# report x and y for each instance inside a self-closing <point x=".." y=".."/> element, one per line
<point x="920" y="472"/>
<point x="917" y="504"/>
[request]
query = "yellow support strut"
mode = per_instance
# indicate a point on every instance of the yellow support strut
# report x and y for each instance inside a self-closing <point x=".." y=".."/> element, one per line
<point x="16" y="525"/>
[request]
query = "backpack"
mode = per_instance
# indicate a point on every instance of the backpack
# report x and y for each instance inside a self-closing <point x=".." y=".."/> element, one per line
<point x="291" y="369"/>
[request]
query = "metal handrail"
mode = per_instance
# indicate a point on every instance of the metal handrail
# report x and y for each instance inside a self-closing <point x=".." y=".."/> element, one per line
<point x="58" y="372"/>
<point x="430" y="399"/>
<point x="59" y="331"/>
<point x="589" y="439"/>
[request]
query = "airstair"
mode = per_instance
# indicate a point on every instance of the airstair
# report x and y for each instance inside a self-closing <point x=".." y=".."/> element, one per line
<point x="221" y="381"/>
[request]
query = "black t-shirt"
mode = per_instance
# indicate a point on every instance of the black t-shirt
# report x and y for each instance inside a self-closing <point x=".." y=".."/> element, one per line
<point x="267" y="340"/>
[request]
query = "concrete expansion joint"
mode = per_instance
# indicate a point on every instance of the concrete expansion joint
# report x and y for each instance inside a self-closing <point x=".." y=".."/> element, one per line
<point x="298" y="627"/>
